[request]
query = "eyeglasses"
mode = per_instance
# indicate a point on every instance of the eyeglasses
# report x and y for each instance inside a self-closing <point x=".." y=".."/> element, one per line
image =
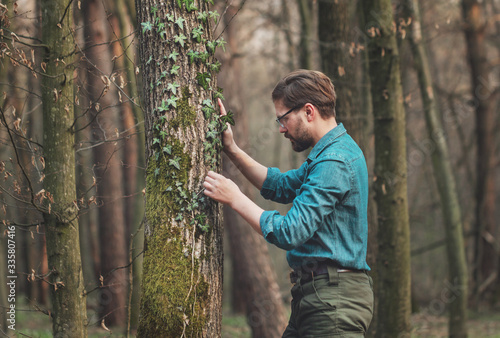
<point x="278" y="120"/>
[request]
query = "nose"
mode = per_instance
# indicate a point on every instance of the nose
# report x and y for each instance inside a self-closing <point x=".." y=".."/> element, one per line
<point x="282" y="129"/>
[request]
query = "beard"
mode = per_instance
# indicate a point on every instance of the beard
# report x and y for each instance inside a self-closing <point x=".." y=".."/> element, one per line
<point x="302" y="141"/>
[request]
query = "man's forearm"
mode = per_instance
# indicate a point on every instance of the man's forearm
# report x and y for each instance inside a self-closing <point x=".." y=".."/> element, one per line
<point x="255" y="172"/>
<point x="250" y="211"/>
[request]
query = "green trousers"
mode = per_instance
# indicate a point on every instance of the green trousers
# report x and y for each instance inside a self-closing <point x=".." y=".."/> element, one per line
<point x="337" y="304"/>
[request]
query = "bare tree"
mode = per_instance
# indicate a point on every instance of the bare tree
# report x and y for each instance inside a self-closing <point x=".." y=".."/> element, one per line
<point x="69" y="313"/>
<point x="445" y="178"/>
<point x="254" y="279"/>
<point x="485" y="98"/>
<point x="104" y="109"/>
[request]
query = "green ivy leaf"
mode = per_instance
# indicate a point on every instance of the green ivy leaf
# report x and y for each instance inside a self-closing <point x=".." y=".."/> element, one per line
<point x="197" y="33"/>
<point x="146" y="26"/>
<point x="208" y="103"/>
<point x="221" y="43"/>
<point x="193" y="55"/>
<point x="229" y="118"/>
<point x="203" y="79"/>
<point x="207" y="145"/>
<point x="203" y="16"/>
<point x="212" y="134"/>
<point x="218" y="94"/>
<point x="215" y="67"/>
<point x="157" y="171"/>
<point x="180" y="22"/>
<point x="180" y="39"/>
<point x="163" y="107"/>
<point x="213" y="15"/>
<point x="173" y="56"/>
<point x="169" y="17"/>
<point x="167" y="149"/>
<point x="173" y="87"/>
<point x="207" y="112"/>
<point x="211" y="46"/>
<point x="172" y="101"/>
<point x="175" y="70"/>
<point x="175" y="162"/>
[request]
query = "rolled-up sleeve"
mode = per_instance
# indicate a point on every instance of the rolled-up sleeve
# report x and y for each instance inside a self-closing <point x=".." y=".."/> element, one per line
<point x="326" y="185"/>
<point x="282" y="187"/>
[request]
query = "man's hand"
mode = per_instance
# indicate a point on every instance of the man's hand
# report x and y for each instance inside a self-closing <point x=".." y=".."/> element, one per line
<point x="226" y="191"/>
<point x="220" y="188"/>
<point x="227" y="135"/>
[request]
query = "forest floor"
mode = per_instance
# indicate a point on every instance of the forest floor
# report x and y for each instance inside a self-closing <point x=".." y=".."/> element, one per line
<point x="34" y="324"/>
<point x="479" y="326"/>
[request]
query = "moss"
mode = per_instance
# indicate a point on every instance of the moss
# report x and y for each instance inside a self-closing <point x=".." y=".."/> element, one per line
<point x="186" y="114"/>
<point x="162" y="182"/>
<point x="167" y="302"/>
<point x="166" y="285"/>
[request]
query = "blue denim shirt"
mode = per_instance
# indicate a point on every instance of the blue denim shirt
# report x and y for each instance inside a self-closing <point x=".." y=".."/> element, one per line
<point x="328" y="219"/>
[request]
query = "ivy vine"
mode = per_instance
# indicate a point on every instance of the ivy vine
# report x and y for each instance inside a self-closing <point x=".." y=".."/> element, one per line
<point x="198" y="50"/>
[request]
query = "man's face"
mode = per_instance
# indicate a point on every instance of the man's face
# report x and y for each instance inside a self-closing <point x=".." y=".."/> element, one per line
<point x="294" y="127"/>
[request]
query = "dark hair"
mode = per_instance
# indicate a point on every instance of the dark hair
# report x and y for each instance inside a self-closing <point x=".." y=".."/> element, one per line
<point x="307" y="86"/>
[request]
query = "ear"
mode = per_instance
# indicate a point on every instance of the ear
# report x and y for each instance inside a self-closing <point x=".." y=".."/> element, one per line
<point x="311" y="112"/>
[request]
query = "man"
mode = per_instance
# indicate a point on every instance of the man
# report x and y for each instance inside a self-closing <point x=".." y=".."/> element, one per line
<point x="325" y="231"/>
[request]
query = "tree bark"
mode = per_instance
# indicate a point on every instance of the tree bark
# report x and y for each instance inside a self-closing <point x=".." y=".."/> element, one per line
<point x="485" y="103"/>
<point x="254" y="279"/>
<point x="306" y="25"/>
<point x="393" y="257"/>
<point x="182" y="276"/>
<point x="443" y="172"/>
<point x="69" y="314"/>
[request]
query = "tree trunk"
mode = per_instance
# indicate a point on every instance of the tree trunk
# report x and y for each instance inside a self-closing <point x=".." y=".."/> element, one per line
<point x="69" y="314"/>
<point x="485" y="104"/>
<point x="443" y="172"/>
<point x="108" y="168"/>
<point x="182" y="276"/>
<point x="334" y="20"/>
<point x="393" y="257"/>
<point x="254" y="278"/>
<point x="306" y="25"/>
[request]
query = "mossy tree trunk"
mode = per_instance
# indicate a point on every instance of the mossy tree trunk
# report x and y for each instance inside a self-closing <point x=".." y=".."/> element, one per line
<point x="393" y="257"/>
<point x="69" y="314"/>
<point x="443" y="172"/>
<point x="485" y="98"/>
<point x="182" y="276"/>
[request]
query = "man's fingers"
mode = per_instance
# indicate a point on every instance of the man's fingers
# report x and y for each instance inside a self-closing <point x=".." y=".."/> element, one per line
<point x="222" y="108"/>
<point x="213" y="175"/>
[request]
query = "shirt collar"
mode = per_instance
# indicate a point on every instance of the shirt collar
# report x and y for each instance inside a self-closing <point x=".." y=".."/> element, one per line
<point x="325" y="141"/>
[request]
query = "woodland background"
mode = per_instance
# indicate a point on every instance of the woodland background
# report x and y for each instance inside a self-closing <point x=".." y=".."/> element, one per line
<point x="265" y="41"/>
